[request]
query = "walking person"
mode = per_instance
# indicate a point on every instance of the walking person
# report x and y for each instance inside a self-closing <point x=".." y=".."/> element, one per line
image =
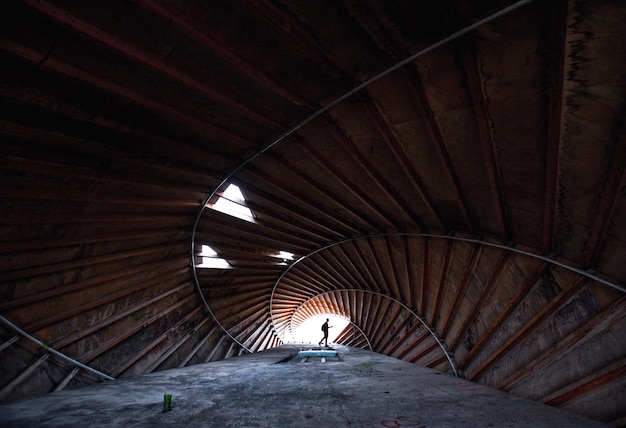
<point x="325" y="328"/>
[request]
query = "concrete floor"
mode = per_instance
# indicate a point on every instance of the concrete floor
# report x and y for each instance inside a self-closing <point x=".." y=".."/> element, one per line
<point x="269" y="389"/>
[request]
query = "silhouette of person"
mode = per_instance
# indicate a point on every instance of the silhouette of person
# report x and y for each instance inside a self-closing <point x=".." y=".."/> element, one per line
<point x="325" y="328"/>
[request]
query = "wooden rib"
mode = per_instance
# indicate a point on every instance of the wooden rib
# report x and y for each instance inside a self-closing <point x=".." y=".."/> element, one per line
<point x="555" y="73"/>
<point x="4" y="393"/>
<point x="372" y="315"/>
<point x="282" y="219"/>
<point x="311" y="210"/>
<point x="345" y="298"/>
<point x="148" y="61"/>
<point x="264" y="330"/>
<point x="363" y="268"/>
<point x="479" y="303"/>
<point x="9" y="342"/>
<point x="379" y="320"/>
<point x="534" y="323"/>
<point x="377" y="117"/>
<point x="383" y="284"/>
<point x="197" y="175"/>
<point x="216" y="348"/>
<point x="417" y="342"/>
<point x="474" y="80"/>
<point x="95" y="303"/>
<point x="416" y="87"/>
<point x="365" y="300"/>
<point x="106" y="346"/>
<point x="333" y="273"/>
<point x="171" y="348"/>
<point x="610" y="201"/>
<point x="221" y="50"/>
<point x="302" y="37"/>
<point x="408" y="273"/>
<point x="441" y="360"/>
<point x="369" y="169"/>
<point x="61" y="386"/>
<point x="529" y="282"/>
<point x="90" y="283"/>
<point x="67" y="70"/>
<point x="407" y="335"/>
<point x="424" y="352"/>
<point x="34" y="271"/>
<point x="360" y="194"/>
<point x="588" y="384"/>
<point x="387" y="319"/>
<point x="50" y="139"/>
<point x="349" y="280"/>
<point x="392" y="277"/>
<point x="470" y="264"/>
<point x="425" y="277"/>
<point x="69" y="339"/>
<point x="397" y="332"/>
<point x="200" y="343"/>
<point x="58" y="243"/>
<point x="352" y="274"/>
<point x="442" y="282"/>
<point x="565" y="344"/>
<point x="73" y="196"/>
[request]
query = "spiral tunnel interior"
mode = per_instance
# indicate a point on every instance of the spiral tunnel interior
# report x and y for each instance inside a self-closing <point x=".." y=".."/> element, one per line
<point x="184" y="182"/>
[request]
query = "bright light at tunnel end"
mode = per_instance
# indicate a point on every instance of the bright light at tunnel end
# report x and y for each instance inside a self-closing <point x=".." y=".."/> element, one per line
<point x="310" y="331"/>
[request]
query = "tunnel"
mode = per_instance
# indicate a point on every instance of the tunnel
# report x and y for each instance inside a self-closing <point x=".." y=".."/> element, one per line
<point x="191" y="182"/>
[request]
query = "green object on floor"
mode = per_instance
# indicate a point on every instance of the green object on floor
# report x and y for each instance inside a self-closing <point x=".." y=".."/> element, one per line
<point x="167" y="402"/>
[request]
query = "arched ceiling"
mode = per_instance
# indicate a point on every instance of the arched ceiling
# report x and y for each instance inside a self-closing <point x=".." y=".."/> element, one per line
<point x="465" y="210"/>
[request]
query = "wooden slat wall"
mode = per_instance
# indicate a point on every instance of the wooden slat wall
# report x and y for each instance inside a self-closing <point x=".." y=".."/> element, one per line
<point x="119" y="120"/>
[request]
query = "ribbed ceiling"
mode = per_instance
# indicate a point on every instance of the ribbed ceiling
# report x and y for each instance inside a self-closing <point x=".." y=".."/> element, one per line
<point x="466" y="211"/>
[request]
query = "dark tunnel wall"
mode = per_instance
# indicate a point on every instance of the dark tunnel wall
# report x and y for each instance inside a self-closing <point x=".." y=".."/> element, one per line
<point x="466" y="211"/>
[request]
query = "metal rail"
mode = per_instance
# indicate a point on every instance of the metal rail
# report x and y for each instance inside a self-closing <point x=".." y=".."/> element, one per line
<point x="54" y="351"/>
<point x="581" y="272"/>
<point x="317" y="113"/>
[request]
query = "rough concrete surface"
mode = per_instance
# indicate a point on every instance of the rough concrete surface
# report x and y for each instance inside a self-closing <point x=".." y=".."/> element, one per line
<point x="276" y="388"/>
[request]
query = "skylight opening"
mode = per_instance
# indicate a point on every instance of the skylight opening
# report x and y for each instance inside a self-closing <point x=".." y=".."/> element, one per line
<point x="285" y="256"/>
<point x="233" y="203"/>
<point x="310" y="330"/>
<point x="211" y="260"/>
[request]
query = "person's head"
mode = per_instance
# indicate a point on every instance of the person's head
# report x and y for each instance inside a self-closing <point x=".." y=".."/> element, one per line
<point x="326" y="319"/>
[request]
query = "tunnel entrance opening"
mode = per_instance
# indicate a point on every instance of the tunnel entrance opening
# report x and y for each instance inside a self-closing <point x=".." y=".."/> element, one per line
<point x="310" y="330"/>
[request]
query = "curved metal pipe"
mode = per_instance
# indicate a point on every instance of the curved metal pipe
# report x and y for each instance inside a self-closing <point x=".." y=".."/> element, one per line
<point x="434" y="236"/>
<point x="450" y="237"/>
<point x="319" y="112"/>
<point x="369" y="344"/>
<point x="54" y="351"/>
<point x="376" y="293"/>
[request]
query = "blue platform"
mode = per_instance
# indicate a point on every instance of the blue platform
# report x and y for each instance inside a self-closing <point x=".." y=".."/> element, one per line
<point x="317" y="353"/>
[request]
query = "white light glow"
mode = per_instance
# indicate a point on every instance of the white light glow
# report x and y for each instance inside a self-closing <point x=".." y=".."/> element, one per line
<point x="207" y="251"/>
<point x="310" y="331"/>
<point x="233" y="203"/>
<point x="214" y="263"/>
<point x="285" y="255"/>
<point x="211" y="260"/>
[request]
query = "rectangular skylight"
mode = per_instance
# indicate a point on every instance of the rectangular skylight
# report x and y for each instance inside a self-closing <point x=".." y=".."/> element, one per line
<point x="284" y="256"/>
<point x="232" y="202"/>
<point x="210" y="259"/>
